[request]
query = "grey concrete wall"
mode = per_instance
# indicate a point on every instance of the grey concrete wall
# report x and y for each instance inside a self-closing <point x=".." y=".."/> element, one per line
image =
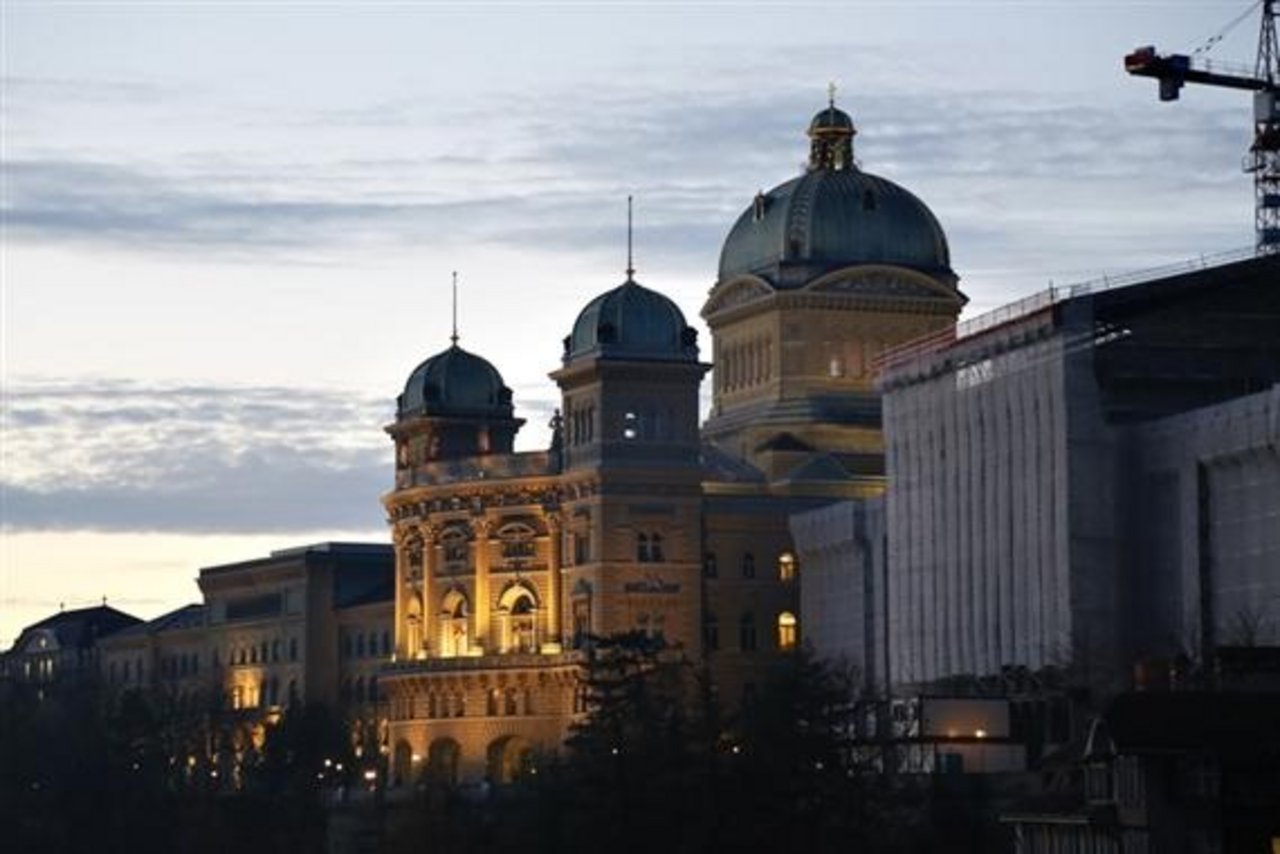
<point x="841" y="551"/>
<point x="1207" y="491"/>
<point x="978" y="514"/>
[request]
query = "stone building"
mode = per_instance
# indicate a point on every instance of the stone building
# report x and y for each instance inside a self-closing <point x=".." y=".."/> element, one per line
<point x="635" y="519"/>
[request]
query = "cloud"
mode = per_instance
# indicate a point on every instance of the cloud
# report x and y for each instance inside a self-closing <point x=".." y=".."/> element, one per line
<point x="116" y="455"/>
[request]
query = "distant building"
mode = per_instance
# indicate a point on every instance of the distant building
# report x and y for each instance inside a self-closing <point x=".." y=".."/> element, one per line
<point x="303" y="625"/>
<point x="65" y="647"/>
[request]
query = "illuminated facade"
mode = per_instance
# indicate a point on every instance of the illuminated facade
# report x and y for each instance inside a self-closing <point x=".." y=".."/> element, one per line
<point x="635" y="519"/>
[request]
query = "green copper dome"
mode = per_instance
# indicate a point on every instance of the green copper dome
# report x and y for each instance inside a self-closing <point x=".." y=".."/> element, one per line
<point x="632" y="322"/>
<point x="834" y="216"/>
<point x="455" y="383"/>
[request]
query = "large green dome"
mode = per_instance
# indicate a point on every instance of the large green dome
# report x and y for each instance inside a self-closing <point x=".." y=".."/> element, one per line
<point x="834" y="216"/>
<point x="632" y="322"/>
<point x="455" y="383"/>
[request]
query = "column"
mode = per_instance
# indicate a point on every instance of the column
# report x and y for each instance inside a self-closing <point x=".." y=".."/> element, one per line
<point x="481" y="528"/>
<point x="555" y="533"/>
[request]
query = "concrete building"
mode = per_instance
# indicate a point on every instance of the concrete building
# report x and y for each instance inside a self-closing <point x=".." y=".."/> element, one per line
<point x="1086" y="480"/>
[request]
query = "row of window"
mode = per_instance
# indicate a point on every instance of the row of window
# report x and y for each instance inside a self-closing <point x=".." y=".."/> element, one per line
<point x="180" y="666"/>
<point x="258" y="653"/>
<point x="260" y="694"/>
<point x="786" y="567"/>
<point x="786" y="626"/>
<point x="360" y="690"/>
<point x="366" y="644"/>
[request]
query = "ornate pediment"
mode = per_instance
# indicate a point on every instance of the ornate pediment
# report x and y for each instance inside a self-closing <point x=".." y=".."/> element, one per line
<point x="883" y="282"/>
<point x="736" y="292"/>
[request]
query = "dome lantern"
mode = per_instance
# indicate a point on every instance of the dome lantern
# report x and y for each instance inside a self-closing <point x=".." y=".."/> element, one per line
<point x="831" y="136"/>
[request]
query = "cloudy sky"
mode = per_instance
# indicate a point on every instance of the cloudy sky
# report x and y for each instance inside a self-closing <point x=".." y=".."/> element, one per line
<point x="229" y="226"/>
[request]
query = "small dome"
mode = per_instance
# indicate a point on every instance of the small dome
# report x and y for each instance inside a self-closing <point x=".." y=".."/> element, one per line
<point x="632" y="322"/>
<point x="831" y="119"/>
<point x="455" y="383"/>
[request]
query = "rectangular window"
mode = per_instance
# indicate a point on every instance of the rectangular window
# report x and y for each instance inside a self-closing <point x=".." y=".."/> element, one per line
<point x="709" y="569"/>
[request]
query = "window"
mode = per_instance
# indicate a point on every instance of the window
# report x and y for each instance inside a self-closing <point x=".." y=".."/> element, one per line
<point x="709" y="568"/>
<point x="710" y="633"/>
<point x="373" y="689"/>
<point x="581" y="548"/>
<point x="346" y="645"/>
<point x="748" y="565"/>
<point x="359" y="646"/>
<point x="492" y="701"/>
<point x="649" y="548"/>
<point x="581" y="611"/>
<point x="747" y="633"/>
<point x="293" y="649"/>
<point x="360" y="689"/>
<point x="386" y="643"/>
<point x="522" y="625"/>
<point x="786" y="631"/>
<point x="454" y="544"/>
<point x="786" y="567"/>
<point x="275" y="650"/>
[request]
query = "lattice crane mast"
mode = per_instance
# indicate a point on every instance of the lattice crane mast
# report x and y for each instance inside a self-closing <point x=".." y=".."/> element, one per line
<point x="1263" y="160"/>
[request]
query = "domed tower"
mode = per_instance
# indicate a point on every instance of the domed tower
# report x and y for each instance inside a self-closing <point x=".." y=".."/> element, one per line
<point x="818" y="276"/>
<point x="454" y="405"/>
<point x="632" y="471"/>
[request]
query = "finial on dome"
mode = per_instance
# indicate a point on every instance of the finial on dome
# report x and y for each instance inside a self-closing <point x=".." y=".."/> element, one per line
<point x="631" y="269"/>
<point x="453" y="338"/>
<point x="831" y="94"/>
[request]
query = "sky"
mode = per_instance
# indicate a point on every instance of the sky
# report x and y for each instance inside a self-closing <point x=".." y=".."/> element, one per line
<point x="229" y="227"/>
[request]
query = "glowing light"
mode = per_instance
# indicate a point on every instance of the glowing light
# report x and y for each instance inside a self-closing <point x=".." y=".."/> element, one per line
<point x="981" y="733"/>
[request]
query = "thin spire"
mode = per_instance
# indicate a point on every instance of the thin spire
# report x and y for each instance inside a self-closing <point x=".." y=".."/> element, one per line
<point x="831" y="94"/>
<point x="631" y="267"/>
<point x="454" y="337"/>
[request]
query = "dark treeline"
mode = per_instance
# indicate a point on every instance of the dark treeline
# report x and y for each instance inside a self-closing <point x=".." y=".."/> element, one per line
<point x="656" y="764"/>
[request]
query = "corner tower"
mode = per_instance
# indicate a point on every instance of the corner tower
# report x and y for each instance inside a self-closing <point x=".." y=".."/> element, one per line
<point x="631" y="468"/>
<point x="816" y="278"/>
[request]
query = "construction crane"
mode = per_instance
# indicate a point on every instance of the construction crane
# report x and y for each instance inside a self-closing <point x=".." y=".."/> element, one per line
<point x="1263" y="160"/>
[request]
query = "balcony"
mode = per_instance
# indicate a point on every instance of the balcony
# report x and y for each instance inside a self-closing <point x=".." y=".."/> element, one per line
<point x="473" y="663"/>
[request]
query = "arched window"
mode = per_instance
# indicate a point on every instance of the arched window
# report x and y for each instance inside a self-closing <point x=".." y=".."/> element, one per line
<point x="748" y="565"/>
<point x="512" y="702"/>
<point x="522" y="625"/>
<point x="454" y="624"/>
<point x="454" y="544"/>
<point x="786" y="631"/>
<point x="786" y="567"/>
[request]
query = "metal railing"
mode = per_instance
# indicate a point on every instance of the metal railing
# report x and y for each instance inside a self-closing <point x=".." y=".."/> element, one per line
<point x="935" y="341"/>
